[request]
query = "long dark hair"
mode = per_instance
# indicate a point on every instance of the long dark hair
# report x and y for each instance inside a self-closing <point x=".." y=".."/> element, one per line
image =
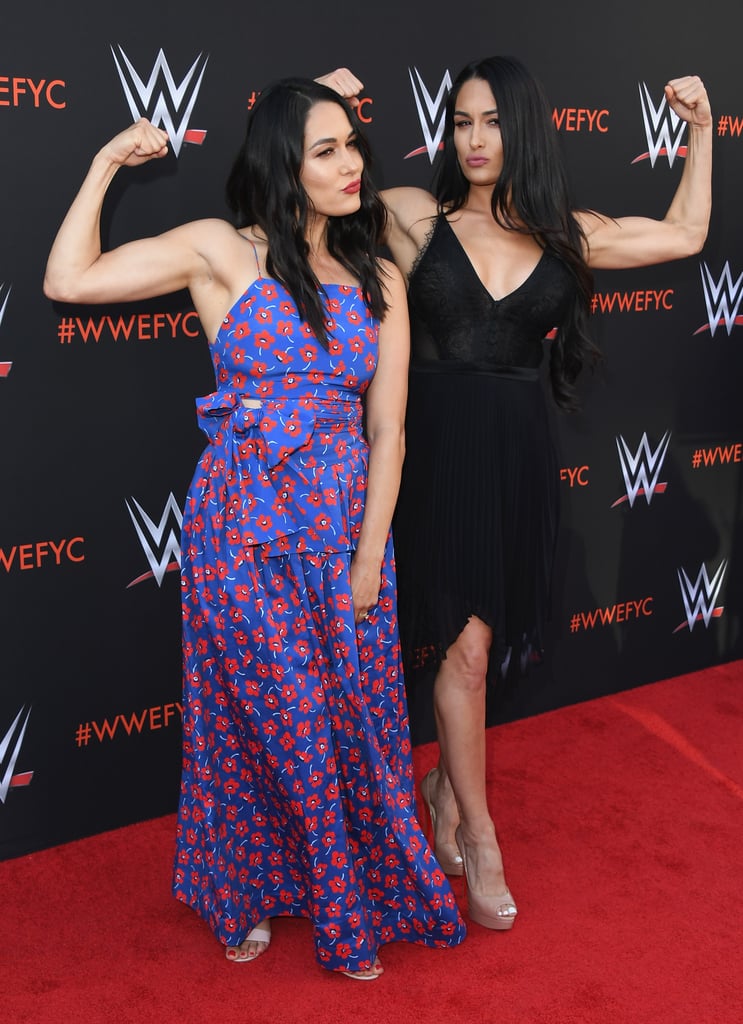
<point x="531" y="196"/>
<point x="264" y="189"/>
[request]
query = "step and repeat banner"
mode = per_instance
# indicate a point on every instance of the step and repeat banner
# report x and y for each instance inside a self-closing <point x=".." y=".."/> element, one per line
<point x="99" y="437"/>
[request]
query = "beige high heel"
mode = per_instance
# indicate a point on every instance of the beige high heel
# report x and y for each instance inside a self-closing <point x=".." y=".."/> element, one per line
<point x="446" y="854"/>
<point x="498" y="912"/>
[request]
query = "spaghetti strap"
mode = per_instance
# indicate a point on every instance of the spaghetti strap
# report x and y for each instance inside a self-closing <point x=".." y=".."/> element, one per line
<point x="255" y="253"/>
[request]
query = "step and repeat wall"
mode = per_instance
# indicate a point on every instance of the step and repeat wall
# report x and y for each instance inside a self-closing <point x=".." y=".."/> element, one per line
<point x="99" y="437"/>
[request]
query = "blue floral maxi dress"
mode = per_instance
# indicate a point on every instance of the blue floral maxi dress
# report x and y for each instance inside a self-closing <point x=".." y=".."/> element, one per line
<point x="297" y="787"/>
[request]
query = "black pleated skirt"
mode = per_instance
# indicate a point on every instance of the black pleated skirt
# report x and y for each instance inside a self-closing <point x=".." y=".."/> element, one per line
<point x="476" y="521"/>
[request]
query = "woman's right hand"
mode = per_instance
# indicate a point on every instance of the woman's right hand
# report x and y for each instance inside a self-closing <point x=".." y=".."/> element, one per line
<point x="137" y="144"/>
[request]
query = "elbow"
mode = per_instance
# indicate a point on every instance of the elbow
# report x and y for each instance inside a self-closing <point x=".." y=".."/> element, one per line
<point x="50" y="288"/>
<point x="692" y="239"/>
<point x="58" y="289"/>
<point x="388" y="444"/>
<point x="692" y="245"/>
<point x="698" y="241"/>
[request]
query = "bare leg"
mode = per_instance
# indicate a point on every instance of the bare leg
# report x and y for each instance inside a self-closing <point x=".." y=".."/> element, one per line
<point x="459" y="704"/>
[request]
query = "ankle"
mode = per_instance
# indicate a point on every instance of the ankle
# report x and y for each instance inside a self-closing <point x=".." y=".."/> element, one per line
<point x="478" y="832"/>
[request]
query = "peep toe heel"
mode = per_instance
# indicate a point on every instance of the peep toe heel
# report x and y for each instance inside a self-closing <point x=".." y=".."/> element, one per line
<point x="446" y="854"/>
<point x="497" y="912"/>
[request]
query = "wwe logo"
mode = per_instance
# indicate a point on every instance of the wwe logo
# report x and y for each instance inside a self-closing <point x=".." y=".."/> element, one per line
<point x="700" y="596"/>
<point x="664" y="129"/>
<point x="154" y="105"/>
<point x="722" y="298"/>
<point x="431" y="112"/>
<point x="641" y="470"/>
<point x="151" y="538"/>
<point x="8" y="779"/>
<point x="4" y="367"/>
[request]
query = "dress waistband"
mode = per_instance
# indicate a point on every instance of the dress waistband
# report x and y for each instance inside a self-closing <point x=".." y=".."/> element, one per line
<point x="258" y="452"/>
<point x="445" y="368"/>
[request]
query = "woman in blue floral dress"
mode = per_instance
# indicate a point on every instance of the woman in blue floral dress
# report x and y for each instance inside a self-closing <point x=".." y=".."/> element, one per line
<point x="297" y="790"/>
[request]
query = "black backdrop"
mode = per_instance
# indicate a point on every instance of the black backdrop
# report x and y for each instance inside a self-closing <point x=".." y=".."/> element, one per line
<point x="96" y="404"/>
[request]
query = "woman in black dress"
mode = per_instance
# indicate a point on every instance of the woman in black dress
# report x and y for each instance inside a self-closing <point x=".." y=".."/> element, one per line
<point x="495" y="259"/>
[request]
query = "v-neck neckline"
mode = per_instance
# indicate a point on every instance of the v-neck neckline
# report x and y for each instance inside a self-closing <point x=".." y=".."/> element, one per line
<point x="471" y="265"/>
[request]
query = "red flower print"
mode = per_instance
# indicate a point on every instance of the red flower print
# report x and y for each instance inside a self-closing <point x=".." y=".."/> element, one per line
<point x="263" y="339"/>
<point x="276" y="683"/>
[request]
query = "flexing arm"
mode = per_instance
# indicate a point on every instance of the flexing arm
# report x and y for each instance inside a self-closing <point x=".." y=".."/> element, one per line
<point x="77" y="270"/>
<point x="640" y="241"/>
<point x="385" y="428"/>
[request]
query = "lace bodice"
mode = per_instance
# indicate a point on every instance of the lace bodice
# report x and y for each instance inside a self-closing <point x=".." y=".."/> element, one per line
<point x="455" y="320"/>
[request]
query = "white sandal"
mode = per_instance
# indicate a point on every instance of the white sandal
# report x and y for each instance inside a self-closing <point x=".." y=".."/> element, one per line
<point x="377" y="970"/>
<point x="240" y="957"/>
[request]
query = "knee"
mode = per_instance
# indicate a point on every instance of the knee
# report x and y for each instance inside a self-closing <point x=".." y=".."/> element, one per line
<point x="467" y="658"/>
<point x="472" y="670"/>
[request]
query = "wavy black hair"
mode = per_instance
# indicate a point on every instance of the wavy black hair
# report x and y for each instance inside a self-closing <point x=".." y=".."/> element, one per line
<point x="531" y="196"/>
<point x="264" y="189"/>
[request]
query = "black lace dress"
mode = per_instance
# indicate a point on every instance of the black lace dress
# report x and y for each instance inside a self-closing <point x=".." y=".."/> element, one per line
<point x="476" y="520"/>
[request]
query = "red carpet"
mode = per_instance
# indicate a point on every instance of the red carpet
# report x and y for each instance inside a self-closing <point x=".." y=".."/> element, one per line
<point x="622" y="825"/>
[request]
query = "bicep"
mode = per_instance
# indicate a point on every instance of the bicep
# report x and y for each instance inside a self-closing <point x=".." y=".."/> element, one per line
<point x="142" y="269"/>
<point x="624" y="242"/>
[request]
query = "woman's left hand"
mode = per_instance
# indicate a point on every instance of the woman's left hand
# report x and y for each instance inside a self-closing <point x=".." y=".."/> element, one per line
<point x="343" y="82"/>
<point x="688" y="98"/>
<point x="365" y="584"/>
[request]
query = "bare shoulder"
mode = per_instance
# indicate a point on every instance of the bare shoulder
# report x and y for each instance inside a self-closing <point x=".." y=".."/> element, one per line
<point x="393" y="283"/>
<point x="225" y="250"/>
<point x="590" y="221"/>
<point x="390" y="272"/>
<point x="585" y="219"/>
<point x="208" y="233"/>
<point x="596" y="229"/>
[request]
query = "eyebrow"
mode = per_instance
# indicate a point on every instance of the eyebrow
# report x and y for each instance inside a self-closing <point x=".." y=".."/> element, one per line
<point x="324" y="142"/>
<point x="464" y="113"/>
